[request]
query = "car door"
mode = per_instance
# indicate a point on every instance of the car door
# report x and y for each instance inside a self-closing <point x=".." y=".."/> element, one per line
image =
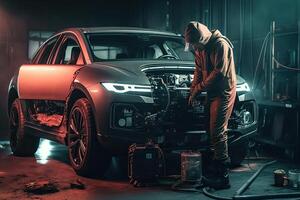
<point x="51" y="77"/>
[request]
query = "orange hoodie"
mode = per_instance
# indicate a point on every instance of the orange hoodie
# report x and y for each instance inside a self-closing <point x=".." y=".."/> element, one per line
<point x="215" y="68"/>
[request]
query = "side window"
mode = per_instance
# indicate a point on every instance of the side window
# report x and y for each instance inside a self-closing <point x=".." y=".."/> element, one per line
<point x="35" y="40"/>
<point x="47" y="50"/>
<point x="69" y="53"/>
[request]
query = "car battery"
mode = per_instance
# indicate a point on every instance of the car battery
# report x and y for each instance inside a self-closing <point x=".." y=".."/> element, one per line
<point x="144" y="162"/>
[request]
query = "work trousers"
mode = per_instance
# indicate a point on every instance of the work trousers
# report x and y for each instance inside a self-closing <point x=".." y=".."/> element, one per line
<point x="220" y="108"/>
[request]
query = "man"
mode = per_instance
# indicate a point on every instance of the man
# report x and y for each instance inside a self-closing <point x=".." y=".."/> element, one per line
<point x="214" y="73"/>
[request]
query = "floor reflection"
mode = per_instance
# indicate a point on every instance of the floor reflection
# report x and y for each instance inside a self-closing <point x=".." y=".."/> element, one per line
<point x="44" y="152"/>
<point x="49" y="150"/>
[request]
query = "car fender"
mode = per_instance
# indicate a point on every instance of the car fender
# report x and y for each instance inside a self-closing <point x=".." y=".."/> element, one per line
<point x="100" y="108"/>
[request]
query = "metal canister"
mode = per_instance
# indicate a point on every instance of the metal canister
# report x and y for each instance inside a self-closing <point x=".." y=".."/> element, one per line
<point x="279" y="177"/>
<point x="293" y="176"/>
<point x="191" y="166"/>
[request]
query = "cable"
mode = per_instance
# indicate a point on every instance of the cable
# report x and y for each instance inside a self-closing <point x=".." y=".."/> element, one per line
<point x="186" y="187"/>
<point x="210" y="195"/>
<point x="284" y="66"/>
<point x="263" y="64"/>
<point x="169" y="96"/>
<point x="247" y="155"/>
<point x="263" y="49"/>
<point x="164" y="160"/>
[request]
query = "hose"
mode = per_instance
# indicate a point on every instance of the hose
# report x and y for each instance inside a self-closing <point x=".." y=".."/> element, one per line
<point x="210" y="195"/>
<point x="245" y="186"/>
<point x="262" y="51"/>
<point x="169" y="96"/>
<point x="179" y="186"/>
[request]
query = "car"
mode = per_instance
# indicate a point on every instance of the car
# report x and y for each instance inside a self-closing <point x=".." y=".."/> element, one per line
<point x="98" y="90"/>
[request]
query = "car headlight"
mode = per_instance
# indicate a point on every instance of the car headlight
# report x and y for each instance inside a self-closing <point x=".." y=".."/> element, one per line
<point x="123" y="88"/>
<point x="246" y="117"/>
<point x="243" y="88"/>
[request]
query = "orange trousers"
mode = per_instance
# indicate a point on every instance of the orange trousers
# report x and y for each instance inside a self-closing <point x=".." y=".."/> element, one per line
<point x="220" y="109"/>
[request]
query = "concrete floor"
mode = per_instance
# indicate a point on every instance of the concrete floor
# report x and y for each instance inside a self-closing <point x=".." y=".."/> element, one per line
<point x="50" y="163"/>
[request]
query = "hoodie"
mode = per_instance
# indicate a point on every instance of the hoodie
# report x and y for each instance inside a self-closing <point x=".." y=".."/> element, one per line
<point x="215" y="68"/>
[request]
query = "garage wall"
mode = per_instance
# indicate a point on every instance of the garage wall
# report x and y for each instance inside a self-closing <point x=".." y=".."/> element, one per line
<point x="170" y="15"/>
<point x="248" y="22"/>
<point x="12" y="52"/>
<point x="245" y="22"/>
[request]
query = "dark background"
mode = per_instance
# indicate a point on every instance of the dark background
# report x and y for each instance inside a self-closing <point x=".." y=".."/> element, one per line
<point x="245" y="22"/>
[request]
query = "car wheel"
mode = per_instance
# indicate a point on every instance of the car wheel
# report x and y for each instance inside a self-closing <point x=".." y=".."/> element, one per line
<point x="21" y="144"/>
<point x="86" y="155"/>
<point x="238" y="152"/>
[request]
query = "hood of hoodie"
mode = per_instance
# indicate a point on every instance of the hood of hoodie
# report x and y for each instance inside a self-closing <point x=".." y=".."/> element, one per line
<point x="197" y="31"/>
<point x="216" y="35"/>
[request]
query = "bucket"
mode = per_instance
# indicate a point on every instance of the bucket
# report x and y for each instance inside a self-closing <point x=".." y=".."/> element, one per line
<point x="191" y="166"/>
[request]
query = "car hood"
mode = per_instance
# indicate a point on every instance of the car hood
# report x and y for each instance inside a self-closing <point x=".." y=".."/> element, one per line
<point x="131" y="71"/>
<point x="127" y="71"/>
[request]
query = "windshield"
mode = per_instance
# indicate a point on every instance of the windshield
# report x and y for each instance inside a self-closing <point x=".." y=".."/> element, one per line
<point x="137" y="47"/>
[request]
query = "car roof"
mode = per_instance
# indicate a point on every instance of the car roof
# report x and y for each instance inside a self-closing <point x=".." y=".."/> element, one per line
<point x="121" y="30"/>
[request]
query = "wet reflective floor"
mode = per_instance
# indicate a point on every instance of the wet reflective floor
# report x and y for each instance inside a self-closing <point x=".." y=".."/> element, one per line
<point x="51" y="164"/>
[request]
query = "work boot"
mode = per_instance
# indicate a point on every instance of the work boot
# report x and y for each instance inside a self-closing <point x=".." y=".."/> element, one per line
<point x="220" y="180"/>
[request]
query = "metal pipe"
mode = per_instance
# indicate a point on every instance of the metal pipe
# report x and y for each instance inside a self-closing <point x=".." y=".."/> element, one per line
<point x="268" y="196"/>
<point x="252" y="178"/>
<point x="272" y="54"/>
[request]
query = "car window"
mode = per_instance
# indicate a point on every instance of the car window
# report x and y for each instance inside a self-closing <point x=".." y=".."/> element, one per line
<point x="110" y="52"/>
<point x="135" y="46"/>
<point x="178" y="49"/>
<point x="46" y="51"/>
<point x="69" y="53"/>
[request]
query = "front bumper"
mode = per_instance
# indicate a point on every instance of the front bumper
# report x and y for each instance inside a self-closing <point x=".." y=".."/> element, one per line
<point x="125" y="125"/>
<point x="168" y="135"/>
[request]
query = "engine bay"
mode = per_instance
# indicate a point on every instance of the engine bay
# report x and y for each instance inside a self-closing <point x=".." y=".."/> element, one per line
<point x="170" y="93"/>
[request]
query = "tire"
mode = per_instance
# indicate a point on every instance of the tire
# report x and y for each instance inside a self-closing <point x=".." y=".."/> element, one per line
<point x="238" y="152"/>
<point x="86" y="155"/>
<point x="21" y="144"/>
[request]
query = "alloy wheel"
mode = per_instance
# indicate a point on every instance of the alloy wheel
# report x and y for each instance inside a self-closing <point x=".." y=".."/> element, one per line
<point x="77" y="136"/>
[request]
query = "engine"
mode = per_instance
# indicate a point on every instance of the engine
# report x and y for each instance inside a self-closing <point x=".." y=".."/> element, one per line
<point x="170" y="93"/>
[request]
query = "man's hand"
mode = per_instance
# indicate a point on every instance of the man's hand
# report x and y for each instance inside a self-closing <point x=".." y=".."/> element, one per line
<point x="193" y="92"/>
<point x="192" y="97"/>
